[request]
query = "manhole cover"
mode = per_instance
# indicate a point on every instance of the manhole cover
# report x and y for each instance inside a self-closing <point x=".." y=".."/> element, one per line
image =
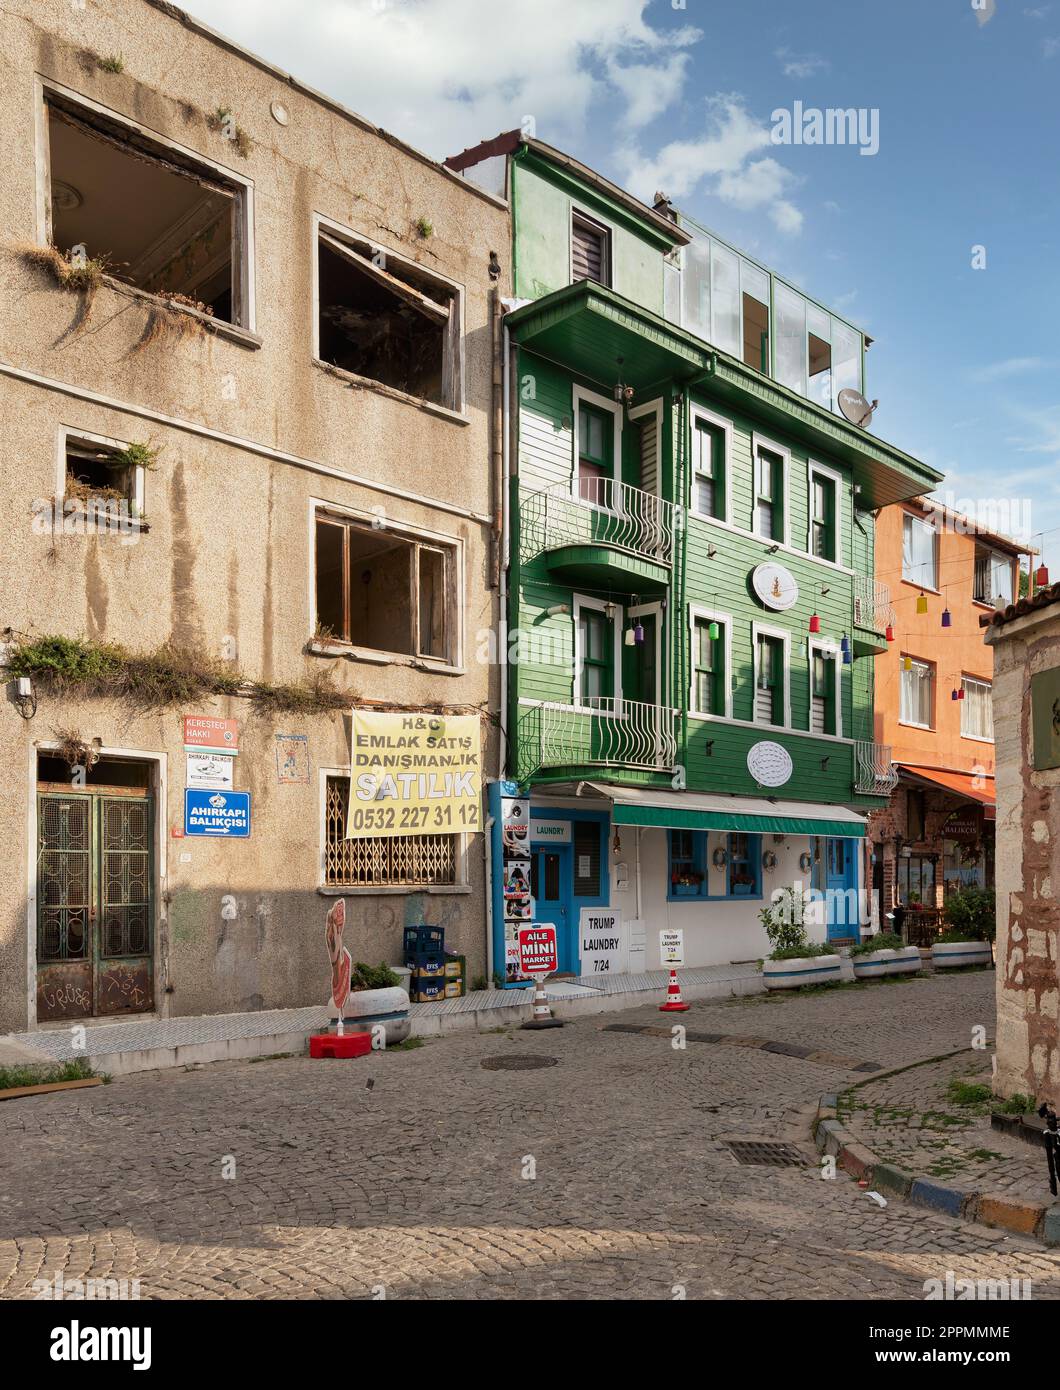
<point x="765" y="1153"/>
<point x="528" y="1063"/>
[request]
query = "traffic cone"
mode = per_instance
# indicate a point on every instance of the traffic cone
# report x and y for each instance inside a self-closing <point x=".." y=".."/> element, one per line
<point x="674" y="1003"/>
<point x="542" y="1013"/>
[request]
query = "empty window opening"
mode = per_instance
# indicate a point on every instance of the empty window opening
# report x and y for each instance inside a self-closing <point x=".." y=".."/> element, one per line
<point x="388" y="321"/>
<point x="382" y="591"/>
<point x="101" y="472"/>
<point x="756" y="334"/>
<point x="590" y="252"/>
<point x="154" y="218"/>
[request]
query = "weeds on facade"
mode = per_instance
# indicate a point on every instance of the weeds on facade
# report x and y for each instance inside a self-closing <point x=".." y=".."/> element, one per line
<point x="424" y="229"/>
<point x="224" y="122"/>
<point x="315" y="695"/>
<point x="79" y="275"/>
<point x="76" y="751"/>
<point x="166" y="320"/>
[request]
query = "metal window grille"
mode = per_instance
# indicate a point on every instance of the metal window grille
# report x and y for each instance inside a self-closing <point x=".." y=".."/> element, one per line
<point x="395" y="861"/>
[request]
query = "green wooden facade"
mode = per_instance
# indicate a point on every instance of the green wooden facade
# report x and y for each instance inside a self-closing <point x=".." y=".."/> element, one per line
<point x="618" y="537"/>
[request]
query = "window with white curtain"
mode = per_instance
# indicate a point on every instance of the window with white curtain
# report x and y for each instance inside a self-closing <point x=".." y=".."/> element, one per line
<point x="993" y="577"/>
<point x="917" y="701"/>
<point x="919" y="552"/>
<point x="977" y="710"/>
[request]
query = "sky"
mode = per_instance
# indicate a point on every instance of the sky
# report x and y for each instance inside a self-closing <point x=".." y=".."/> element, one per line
<point x="943" y="244"/>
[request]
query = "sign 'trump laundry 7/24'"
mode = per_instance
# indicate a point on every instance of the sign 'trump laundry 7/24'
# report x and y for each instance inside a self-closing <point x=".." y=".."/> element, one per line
<point x="414" y="774"/>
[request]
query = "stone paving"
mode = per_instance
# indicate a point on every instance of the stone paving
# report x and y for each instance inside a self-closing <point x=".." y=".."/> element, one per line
<point x="914" y="1121"/>
<point x="605" y="1175"/>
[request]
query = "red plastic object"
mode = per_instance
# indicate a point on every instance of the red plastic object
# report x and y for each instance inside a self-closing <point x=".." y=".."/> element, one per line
<point x="331" y="1045"/>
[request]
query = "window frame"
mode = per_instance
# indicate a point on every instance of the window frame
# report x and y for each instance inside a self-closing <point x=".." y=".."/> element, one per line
<point x="760" y="443"/>
<point x="580" y="601"/>
<point x="991" y="553"/>
<point x="582" y="398"/>
<point x="699" y="613"/>
<point x="913" y="519"/>
<point x="67" y="433"/>
<point x="783" y="636"/>
<point x="320" y="224"/>
<point x="244" y="296"/>
<point x="321" y="509"/>
<point x="605" y="232"/>
<point x="719" y="427"/>
<point x="930" y="667"/>
<point x="814" y="471"/>
<point x="698" y="860"/>
<point x="753" y="859"/>
<point x="988" y="687"/>
<point x="833" y="654"/>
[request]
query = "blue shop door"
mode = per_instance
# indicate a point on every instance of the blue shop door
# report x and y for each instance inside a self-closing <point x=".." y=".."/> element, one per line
<point x="550" y="889"/>
<point x="840" y="879"/>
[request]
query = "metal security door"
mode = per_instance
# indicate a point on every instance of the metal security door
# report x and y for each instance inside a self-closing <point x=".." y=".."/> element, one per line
<point x="95" y="911"/>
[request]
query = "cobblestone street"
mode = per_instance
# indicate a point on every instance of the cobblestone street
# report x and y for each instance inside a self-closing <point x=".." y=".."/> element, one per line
<point x="416" y="1186"/>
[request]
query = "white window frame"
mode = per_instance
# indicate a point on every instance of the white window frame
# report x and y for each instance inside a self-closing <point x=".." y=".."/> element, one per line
<point x="770" y="446"/>
<point x="986" y="685"/>
<point x="242" y="213"/>
<point x="452" y="665"/>
<point x="597" y="225"/>
<point x="580" y="395"/>
<point x="921" y="583"/>
<point x="822" y="470"/>
<point x="698" y="612"/>
<point x="783" y="635"/>
<point x="68" y="432"/>
<point x="342" y="232"/>
<point x="834" y="652"/>
<point x="578" y="602"/>
<point x="725" y="428"/>
<point x="993" y="553"/>
<point x="930" y="667"/>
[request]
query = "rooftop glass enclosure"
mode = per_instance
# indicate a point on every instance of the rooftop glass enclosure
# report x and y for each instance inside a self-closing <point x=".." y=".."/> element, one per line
<point x="740" y="307"/>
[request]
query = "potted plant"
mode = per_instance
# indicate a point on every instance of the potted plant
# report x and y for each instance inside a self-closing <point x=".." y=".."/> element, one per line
<point x="688" y="884"/>
<point x="883" y="954"/>
<point x="794" y="960"/>
<point x="970" y="916"/>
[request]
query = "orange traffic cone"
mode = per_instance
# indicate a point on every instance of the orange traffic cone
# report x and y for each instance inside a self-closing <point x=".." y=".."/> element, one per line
<point x="674" y="1003"/>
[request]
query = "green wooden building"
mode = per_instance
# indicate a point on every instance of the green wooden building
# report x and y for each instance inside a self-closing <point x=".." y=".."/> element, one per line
<point x="693" y="616"/>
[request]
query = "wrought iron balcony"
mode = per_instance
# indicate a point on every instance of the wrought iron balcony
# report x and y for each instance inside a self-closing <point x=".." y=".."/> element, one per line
<point x="874" y="773"/>
<point x="599" y="515"/>
<point x="601" y="732"/>
<point x="873" y="613"/>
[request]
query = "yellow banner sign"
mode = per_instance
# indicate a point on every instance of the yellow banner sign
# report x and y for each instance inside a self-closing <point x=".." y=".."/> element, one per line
<point x="414" y="774"/>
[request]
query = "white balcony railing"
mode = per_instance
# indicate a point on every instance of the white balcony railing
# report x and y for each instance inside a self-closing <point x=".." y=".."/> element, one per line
<point x="598" y="512"/>
<point x="874" y="773"/>
<point x="872" y="604"/>
<point x="599" y="733"/>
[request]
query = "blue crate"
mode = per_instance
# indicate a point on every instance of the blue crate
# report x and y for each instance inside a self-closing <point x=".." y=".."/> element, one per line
<point x="419" y="940"/>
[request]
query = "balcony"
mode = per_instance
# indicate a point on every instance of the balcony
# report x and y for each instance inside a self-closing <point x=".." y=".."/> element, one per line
<point x="873" y="612"/>
<point x="603" y="732"/>
<point x="607" y="536"/>
<point x="874" y="773"/>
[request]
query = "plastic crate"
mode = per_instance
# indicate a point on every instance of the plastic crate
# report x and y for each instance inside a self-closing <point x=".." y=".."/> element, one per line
<point x="454" y="967"/>
<point x="422" y="966"/>
<point x="427" y="991"/>
<point x="454" y="989"/>
<point x="424" y="939"/>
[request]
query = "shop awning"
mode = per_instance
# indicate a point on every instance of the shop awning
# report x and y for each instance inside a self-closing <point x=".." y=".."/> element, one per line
<point x="697" y="811"/>
<point x="970" y="785"/>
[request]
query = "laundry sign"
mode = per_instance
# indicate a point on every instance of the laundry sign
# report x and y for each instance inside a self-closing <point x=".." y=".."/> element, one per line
<point x="414" y="774"/>
<point x="672" y="946"/>
<point x="603" y="941"/>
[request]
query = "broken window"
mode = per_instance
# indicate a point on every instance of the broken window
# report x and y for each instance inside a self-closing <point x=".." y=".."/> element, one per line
<point x="153" y="217"/>
<point x="104" y="473"/>
<point x="383" y="591"/>
<point x="388" y="320"/>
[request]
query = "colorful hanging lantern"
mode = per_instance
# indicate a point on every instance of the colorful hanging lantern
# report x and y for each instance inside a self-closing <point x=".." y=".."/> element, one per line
<point x="889" y="634"/>
<point x="815" y="623"/>
<point x="921" y="603"/>
<point x="907" y="663"/>
<point x="1041" y="577"/>
<point x="847" y="658"/>
<point x="953" y="694"/>
<point x="947" y="619"/>
<point x="844" y="645"/>
<point x="638" y="635"/>
<point x="631" y="637"/>
<point x="713" y="631"/>
<point x="960" y="693"/>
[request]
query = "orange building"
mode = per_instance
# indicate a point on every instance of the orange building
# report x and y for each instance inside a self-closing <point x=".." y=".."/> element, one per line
<point x="933" y="701"/>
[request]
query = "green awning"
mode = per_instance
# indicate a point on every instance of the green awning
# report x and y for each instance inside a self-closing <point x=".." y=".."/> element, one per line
<point x="695" y="811"/>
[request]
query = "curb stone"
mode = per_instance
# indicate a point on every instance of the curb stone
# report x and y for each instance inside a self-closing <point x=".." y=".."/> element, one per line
<point x="1022" y="1218"/>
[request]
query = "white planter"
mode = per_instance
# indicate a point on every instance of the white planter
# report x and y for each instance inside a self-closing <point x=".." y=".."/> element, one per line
<point x="907" y="961"/>
<point x="948" y="955"/>
<point x="802" y="970"/>
<point x="873" y="964"/>
<point x="367" y="1007"/>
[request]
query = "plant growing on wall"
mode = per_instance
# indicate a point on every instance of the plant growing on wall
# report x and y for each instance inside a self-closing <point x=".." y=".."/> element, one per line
<point x="424" y="229"/>
<point x="223" y="121"/>
<point x="78" y="273"/>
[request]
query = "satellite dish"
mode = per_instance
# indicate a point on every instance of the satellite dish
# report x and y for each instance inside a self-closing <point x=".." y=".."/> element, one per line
<point x="855" y="407"/>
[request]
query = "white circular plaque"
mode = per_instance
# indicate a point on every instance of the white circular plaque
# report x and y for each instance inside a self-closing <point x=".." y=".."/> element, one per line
<point x="775" y="586"/>
<point x="769" y="763"/>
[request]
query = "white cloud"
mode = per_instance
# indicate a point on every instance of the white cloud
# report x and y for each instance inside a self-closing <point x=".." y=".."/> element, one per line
<point x="722" y="159"/>
<point x="801" y="65"/>
<point x="445" y="74"/>
<point x="1050" y="47"/>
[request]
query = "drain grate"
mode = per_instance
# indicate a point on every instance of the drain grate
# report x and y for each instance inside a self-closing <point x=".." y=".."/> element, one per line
<point x="765" y="1153"/>
<point x="528" y="1063"/>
